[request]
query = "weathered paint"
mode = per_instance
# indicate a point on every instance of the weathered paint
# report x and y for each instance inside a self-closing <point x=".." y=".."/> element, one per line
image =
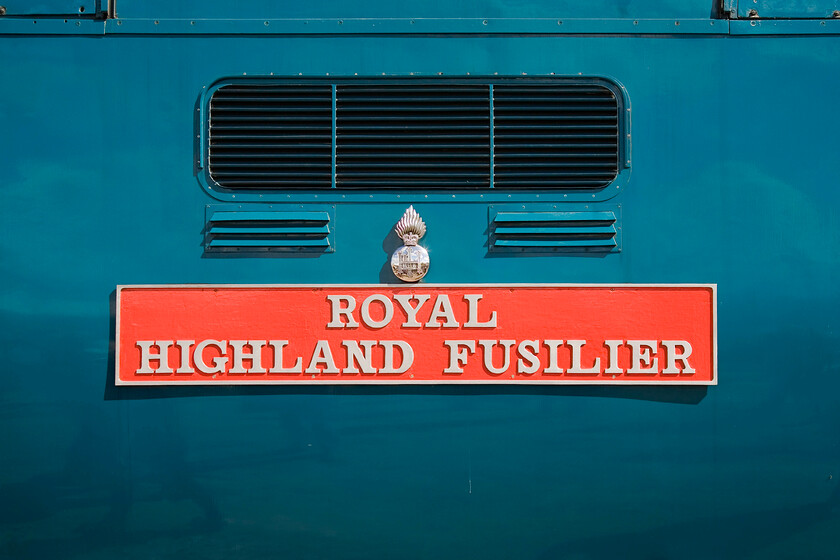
<point x="733" y="181"/>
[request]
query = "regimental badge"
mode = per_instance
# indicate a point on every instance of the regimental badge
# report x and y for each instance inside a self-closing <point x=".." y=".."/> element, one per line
<point x="410" y="262"/>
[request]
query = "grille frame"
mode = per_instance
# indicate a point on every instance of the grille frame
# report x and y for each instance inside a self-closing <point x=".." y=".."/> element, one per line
<point x="336" y="191"/>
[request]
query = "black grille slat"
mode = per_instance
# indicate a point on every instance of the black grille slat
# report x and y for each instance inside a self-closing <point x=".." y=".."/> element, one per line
<point x="525" y="115"/>
<point x="410" y="121"/>
<point x="512" y="133"/>
<point x="276" y="135"/>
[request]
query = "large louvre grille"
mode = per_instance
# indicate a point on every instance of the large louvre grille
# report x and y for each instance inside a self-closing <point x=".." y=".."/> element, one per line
<point x="554" y="136"/>
<point x="271" y="136"/>
<point x="417" y="136"/>
<point x="507" y="134"/>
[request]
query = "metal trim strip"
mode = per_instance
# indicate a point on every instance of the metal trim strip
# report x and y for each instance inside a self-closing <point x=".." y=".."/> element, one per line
<point x="336" y="26"/>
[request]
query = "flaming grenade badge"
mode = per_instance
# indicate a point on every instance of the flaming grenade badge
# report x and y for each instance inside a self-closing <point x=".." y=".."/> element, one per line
<point x="410" y="262"/>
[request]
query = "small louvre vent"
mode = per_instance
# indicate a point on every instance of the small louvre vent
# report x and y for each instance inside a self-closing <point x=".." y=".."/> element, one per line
<point x="506" y="133"/>
<point x="412" y="136"/>
<point x="559" y="231"/>
<point x="554" y="136"/>
<point x="263" y="231"/>
<point x="271" y="136"/>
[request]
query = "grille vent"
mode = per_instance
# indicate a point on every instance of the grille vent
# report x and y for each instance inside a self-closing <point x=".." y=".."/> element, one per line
<point x="559" y="231"/>
<point x="510" y="134"/>
<point x="554" y="136"/>
<point x="277" y="136"/>
<point x="413" y="136"/>
<point x="264" y="231"/>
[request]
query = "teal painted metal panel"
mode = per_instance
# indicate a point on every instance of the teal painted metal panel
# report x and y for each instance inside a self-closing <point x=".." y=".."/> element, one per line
<point x="248" y="243"/>
<point x="785" y="9"/>
<point x="553" y="216"/>
<point x="733" y="181"/>
<point x="318" y="9"/>
<point x="15" y="8"/>
<point x="282" y="216"/>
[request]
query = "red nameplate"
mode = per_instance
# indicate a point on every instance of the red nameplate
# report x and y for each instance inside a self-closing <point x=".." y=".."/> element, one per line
<point x="541" y="334"/>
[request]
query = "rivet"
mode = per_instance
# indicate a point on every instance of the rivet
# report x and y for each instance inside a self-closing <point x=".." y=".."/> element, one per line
<point x="559" y="22"/>
<point x="157" y="22"/>
<point x="484" y="22"/>
<point x="265" y="23"/>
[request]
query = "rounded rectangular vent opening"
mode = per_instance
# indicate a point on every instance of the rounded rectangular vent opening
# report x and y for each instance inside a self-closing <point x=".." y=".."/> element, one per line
<point x="506" y="133"/>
